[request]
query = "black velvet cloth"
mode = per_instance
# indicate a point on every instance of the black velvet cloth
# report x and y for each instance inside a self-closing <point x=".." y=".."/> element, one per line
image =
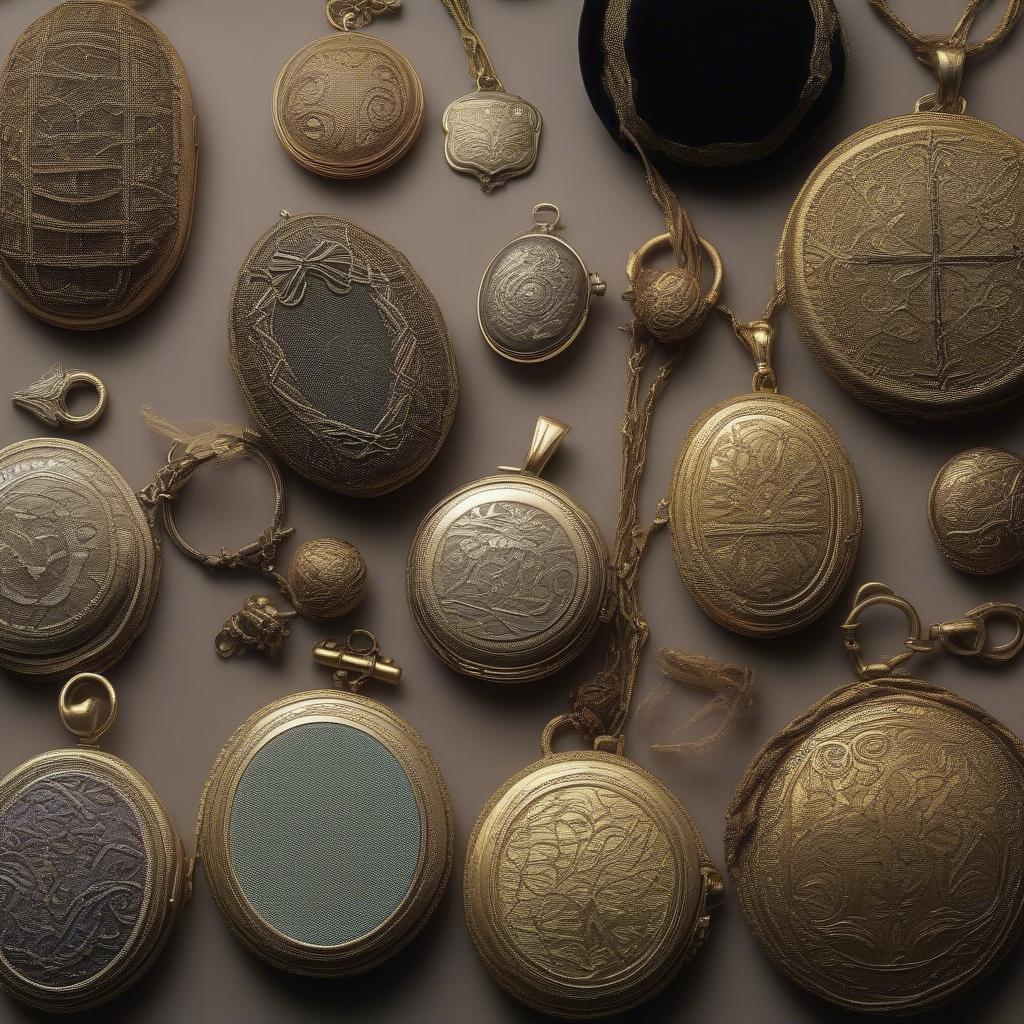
<point x="714" y="71"/>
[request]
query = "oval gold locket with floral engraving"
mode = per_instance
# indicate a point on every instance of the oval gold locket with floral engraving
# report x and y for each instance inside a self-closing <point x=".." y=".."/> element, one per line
<point x="349" y="105"/>
<point x="79" y="560"/>
<point x="326" y="830"/>
<point x="507" y="576"/>
<point x="92" y="872"/>
<point x="587" y="884"/>
<point x="904" y="257"/>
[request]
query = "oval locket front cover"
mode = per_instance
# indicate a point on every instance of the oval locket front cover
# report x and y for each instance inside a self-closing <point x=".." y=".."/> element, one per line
<point x="342" y="355"/>
<point x="326" y="833"/>
<point x="79" y="561"/>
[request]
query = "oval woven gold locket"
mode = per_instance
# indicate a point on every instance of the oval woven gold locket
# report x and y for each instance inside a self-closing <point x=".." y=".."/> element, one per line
<point x="587" y="884"/>
<point x="904" y="251"/>
<point x="79" y="560"/>
<point x="98" y="170"/>
<point x="326" y="830"/>
<point x="349" y="105"/>
<point x="507" y="576"/>
<point x="875" y="842"/>
<point x="92" y="873"/>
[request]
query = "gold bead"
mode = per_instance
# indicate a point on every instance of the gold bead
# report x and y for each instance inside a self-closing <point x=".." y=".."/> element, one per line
<point x="669" y="302"/>
<point x="327" y="578"/>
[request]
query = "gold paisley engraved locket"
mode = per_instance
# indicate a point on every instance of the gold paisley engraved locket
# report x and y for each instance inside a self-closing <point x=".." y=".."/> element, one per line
<point x="508" y="576"/>
<point x="326" y="831"/>
<point x="79" y="559"/>
<point x="349" y="105"/>
<point x="587" y="884"/>
<point x="875" y="842"/>
<point x="98" y="168"/>
<point x="489" y="133"/>
<point x="534" y="298"/>
<point x="904" y="251"/>
<point x="92" y="872"/>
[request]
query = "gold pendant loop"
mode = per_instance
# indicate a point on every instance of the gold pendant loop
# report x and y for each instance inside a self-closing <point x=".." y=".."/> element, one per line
<point x="86" y="718"/>
<point x="47" y="398"/>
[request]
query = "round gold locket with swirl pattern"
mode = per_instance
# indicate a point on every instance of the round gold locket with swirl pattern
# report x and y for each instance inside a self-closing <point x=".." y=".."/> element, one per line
<point x="874" y="843"/>
<point x="349" y="105"/>
<point x="507" y="576"/>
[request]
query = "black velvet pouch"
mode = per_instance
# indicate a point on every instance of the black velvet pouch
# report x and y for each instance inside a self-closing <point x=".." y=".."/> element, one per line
<point x="718" y="83"/>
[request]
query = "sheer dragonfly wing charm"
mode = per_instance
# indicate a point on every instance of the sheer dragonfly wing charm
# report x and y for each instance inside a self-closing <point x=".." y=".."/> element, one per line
<point x="534" y="298"/>
<point x="93" y="871"/>
<point x="349" y="105"/>
<point x="98" y="169"/>
<point x="508" y="576"/>
<point x="764" y="507"/>
<point x="874" y="842"/>
<point x="326" y="831"/>
<point x="904" y="251"/>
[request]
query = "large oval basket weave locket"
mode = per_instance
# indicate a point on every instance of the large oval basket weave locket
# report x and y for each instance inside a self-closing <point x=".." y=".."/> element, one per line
<point x="98" y="168"/>
<point x="348" y="105"/>
<point x="92" y="873"/>
<point x="587" y="884"/>
<point x="904" y="265"/>
<point x="875" y="843"/>
<point x="342" y="355"/>
<point x="507" y="576"/>
<point x="79" y="560"/>
<point x="326" y="832"/>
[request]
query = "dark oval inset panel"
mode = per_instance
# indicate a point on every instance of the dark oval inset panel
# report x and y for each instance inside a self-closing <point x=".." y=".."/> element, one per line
<point x="342" y="355"/>
<point x="74" y="878"/>
<point x="97" y="170"/>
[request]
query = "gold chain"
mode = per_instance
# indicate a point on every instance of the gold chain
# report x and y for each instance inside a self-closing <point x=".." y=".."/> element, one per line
<point x="480" y="66"/>
<point x="924" y="46"/>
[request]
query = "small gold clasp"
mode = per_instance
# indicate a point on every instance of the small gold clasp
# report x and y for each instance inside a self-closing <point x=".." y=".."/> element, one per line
<point x="969" y="637"/>
<point x="758" y="337"/>
<point x="545" y="225"/>
<point x="948" y="64"/>
<point x="47" y="398"/>
<point x="90" y="718"/>
<point x="357" y="659"/>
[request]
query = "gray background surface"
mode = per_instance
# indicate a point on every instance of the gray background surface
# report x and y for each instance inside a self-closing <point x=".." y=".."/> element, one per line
<point x="179" y="703"/>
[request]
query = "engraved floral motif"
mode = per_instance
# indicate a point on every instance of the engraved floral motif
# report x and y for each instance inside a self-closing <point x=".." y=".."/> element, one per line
<point x="534" y="296"/>
<point x="584" y="881"/>
<point x="763" y="508"/>
<point x="493" y="135"/>
<point x="913" y="261"/>
<point x="505" y="571"/>
<point x="73" y="878"/>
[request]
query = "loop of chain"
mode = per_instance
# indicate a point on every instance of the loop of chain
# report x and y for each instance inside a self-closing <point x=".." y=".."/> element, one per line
<point x="969" y="637"/>
<point x="480" y="65"/>
<point x="924" y="47"/>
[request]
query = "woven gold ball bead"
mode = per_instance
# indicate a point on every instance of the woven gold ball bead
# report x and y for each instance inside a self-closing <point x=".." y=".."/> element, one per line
<point x="669" y="303"/>
<point x="327" y="578"/>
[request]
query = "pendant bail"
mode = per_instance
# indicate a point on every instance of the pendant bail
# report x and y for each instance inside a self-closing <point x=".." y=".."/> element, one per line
<point x="548" y="436"/>
<point x="758" y="337"/>
<point x="948" y="64"/>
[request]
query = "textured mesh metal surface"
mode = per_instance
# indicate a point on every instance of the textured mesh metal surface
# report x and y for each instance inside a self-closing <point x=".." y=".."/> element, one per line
<point x="73" y="878"/>
<point x="325" y="833"/>
<point x="96" y="174"/>
<point x="342" y="355"/>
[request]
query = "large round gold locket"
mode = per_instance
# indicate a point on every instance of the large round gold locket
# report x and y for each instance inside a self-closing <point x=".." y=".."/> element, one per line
<point x="349" y="105"/>
<point x="587" y="884"/>
<point x="904" y="259"/>
<point x="875" y="842"/>
<point x="326" y="831"/>
<point x="507" y="576"/>
<point x="92" y="872"/>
